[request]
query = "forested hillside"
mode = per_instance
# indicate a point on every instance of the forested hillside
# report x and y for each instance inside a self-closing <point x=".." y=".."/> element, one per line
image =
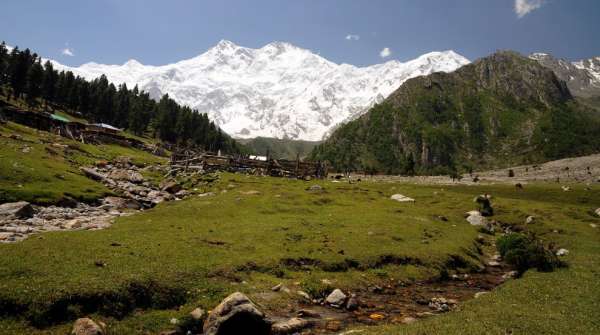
<point x="501" y="110"/>
<point x="23" y="76"/>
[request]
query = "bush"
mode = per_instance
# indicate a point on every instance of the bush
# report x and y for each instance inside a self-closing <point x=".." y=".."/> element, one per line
<point x="525" y="252"/>
<point x="316" y="288"/>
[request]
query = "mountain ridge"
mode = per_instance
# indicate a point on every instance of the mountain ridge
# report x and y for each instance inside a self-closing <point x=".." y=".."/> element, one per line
<point x="501" y="110"/>
<point x="279" y="90"/>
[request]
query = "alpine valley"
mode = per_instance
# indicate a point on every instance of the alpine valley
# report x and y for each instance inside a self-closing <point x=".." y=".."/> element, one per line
<point x="279" y="90"/>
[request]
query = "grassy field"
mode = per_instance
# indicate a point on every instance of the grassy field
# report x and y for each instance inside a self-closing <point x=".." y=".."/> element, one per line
<point x="256" y="232"/>
<point x="39" y="167"/>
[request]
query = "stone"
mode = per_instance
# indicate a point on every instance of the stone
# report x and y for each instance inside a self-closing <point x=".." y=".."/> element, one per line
<point x="303" y="295"/>
<point x="121" y="203"/>
<point x="597" y="211"/>
<point x="401" y="198"/>
<point x="337" y="298"/>
<point x="566" y="188"/>
<point x="236" y="314"/>
<point x="562" y="252"/>
<point x="277" y="287"/>
<point x="291" y="326"/>
<point x="352" y="304"/>
<point x="480" y="294"/>
<point x="493" y="263"/>
<point x="476" y="219"/>
<point x="21" y="210"/>
<point x="510" y="275"/>
<point x="408" y="320"/>
<point x="87" y="326"/>
<point x="250" y="192"/>
<point x="197" y="314"/>
<point x="315" y="188"/>
<point x="530" y="219"/>
<point x="307" y="313"/>
<point x="126" y="175"/>
<point x="171" y="187"/>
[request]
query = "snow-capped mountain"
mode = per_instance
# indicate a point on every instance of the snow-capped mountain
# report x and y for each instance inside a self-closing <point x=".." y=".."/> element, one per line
<point x="279" y="90"/>
<point x="582" y="77"/>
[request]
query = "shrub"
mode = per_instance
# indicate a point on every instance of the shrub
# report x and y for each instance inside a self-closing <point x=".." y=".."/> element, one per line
<point x="316" y="288"/>
<point x="525" y="252"/>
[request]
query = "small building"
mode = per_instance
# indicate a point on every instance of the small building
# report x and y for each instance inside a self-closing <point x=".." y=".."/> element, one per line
<point x="103" y="127"/>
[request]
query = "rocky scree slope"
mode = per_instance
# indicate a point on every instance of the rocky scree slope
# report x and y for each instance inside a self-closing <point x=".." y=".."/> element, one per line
<point x="501" y="110"/>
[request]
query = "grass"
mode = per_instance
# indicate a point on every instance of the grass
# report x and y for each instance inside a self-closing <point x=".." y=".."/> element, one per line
<point x="561" y="302"/>
<point x="164" y="262"/>
<point x="43" y="168"/>
<point x="208" y="246"/>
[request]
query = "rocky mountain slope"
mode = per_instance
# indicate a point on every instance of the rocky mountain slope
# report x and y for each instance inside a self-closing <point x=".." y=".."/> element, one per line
<point x="279" y="90"/>
<point x="502" y="110"/>
<point x="582" y="77"/>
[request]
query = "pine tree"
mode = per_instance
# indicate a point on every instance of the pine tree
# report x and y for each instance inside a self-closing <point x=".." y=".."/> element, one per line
<point x="50" y="82"/>
<point x="35" y="77"/>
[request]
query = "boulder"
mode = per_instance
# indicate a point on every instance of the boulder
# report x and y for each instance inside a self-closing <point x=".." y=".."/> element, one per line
<point x="127" y="175"/>
<point x="408" y="320"/>
<point x="337" y="298"/>
<point x="170" y="186"/>
<point x="197" y="314"/>
<point x="597" y="211"/>
<point x="121" y="203"/>
<point x="236" y="314"/>
<point x="21" y="209"/>
<point x="87" y="326"/>
<point x="562" y="252"/>
<point x="476" y="219"/>
<point x="291" y="326"/>
<point x="352" y="303"/>
<point x="401" y="198"/>
<point x="315" y="188"/>
<point x="530" y="219"/>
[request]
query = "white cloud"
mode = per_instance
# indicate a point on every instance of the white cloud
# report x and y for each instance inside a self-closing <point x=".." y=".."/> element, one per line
<point x="524" y="7"/>
<point x="385" y="52"/>
<point x="68" y="52"/>
<point x="351" y="37"/>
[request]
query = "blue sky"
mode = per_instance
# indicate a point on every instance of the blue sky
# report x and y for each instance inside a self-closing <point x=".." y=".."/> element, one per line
<point x="356" y="32"/>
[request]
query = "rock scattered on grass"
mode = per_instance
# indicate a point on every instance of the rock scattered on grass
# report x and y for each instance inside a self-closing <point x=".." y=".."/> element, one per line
<point x="476" y="219"/>
<point x="401" y="198"/>
<point x="20" y="210"/>
<point x="530" y="219"/>
<point x="336" y="299"/>
<point x="562" y="252"/>
<point x="291" y="326"/>
<point x="597" y="211"/>
<point x="236" y="314"/>
<point x="408" y="320"/>
<point x="87" y="326"/>
<point x="480" y="294"/>
<point x="352" y="304"/>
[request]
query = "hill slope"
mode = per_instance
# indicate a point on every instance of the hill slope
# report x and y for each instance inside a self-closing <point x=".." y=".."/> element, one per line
<point x="501" y="110"/>
<point x="279" y="90"/>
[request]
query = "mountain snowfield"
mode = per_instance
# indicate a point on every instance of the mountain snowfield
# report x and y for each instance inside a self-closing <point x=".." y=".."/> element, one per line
<point x="582" y="77"/>
<point x="279" y="90"/>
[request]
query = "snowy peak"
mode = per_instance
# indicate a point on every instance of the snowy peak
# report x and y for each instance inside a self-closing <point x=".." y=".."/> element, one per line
<point x="279" y="90"/>
<point x="582" y="77"/>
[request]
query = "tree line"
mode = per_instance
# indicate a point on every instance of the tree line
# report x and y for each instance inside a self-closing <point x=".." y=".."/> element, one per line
<point x="23" y="76"/>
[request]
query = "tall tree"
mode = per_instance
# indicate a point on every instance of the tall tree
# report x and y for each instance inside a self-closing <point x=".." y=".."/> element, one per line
<point x="35" y="77"/>
<point x="50" y="82"/>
